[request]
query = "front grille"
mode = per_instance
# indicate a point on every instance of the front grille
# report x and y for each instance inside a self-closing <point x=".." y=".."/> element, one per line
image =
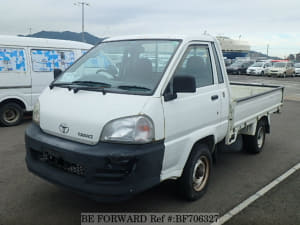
<point x="59" y="163"/>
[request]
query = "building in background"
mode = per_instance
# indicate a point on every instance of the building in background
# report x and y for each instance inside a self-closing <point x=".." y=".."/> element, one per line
<point x="233" y="48"/>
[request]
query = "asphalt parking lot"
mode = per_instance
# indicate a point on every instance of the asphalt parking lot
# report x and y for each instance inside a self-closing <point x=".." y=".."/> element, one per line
<point x="27" y="199"/>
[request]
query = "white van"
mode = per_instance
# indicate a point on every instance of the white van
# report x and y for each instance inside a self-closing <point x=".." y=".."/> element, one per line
<point x="135" y="111"/>
<point x="26" y="68"/>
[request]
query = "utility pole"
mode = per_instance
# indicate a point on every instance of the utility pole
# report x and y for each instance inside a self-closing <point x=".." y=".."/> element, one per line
<point x="268" y="49"/>
<point x="82" y="4"/>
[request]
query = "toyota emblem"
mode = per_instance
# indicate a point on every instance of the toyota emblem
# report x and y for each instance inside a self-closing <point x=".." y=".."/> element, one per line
<point x="63" y="128"/>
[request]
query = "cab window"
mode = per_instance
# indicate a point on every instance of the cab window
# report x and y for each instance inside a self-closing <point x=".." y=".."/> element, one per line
<point x="218" y="65"/>
<point x="197" y="63"/>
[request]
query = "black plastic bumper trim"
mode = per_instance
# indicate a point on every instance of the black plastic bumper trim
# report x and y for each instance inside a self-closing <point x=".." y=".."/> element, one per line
<point x="104" y="171"/>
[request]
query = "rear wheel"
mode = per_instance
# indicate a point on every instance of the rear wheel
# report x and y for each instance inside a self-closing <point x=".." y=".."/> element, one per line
<point x="195" y="177"/>
<point x="11" y="114"/>
<point x="254" y="144"/>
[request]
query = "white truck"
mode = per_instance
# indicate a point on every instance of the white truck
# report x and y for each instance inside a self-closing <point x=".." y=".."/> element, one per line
<point x="158" y="109"/>
<point x="26" y="69"/>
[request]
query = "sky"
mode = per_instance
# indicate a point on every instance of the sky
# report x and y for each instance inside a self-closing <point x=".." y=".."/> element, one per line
<point x="259" y="22"/>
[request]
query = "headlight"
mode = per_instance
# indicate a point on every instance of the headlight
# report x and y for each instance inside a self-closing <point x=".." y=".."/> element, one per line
<point x="36" y="113"/>
<point x="135" y="129"/>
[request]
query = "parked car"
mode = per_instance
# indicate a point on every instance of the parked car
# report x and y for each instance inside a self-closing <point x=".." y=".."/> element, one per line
<point x="239" y="67"/>
<point x="117" y="134"/>
<point x="259" y="68"/>
<point x="227" y="61"/>
<point x="282" y="69"/>
<point x="26" y="68"/>
<point x="297" y="69"/>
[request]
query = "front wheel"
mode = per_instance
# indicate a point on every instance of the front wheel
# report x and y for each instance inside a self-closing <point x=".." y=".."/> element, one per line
<point x="195" y="177"/>
<point x="254" y="144"/>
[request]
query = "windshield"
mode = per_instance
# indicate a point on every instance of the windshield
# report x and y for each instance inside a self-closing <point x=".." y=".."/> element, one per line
<point x="122" y="66"/>
<point x="297" y="65"/>
<point x="279" y="65"/>
<point x="258" y="64"/>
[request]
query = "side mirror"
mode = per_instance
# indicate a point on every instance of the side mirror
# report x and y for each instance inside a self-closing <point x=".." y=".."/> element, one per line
<point x="57" y="72"/>
<point x="184" y="84"/>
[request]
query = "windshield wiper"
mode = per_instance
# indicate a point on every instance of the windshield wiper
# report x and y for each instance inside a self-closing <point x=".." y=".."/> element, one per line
<point x="59" y="85"/>
<point x="129" y="87"/>
<point x="86" y="82"/>
<point x="82" y="85"/>
<point x="89" y="88"/>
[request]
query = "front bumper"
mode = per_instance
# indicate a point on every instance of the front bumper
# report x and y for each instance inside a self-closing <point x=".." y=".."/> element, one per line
<point x="254" y="72"/>
<point x="105" y="171"/>
<point x="276" y="73"/>
<point x="232" y="71"/>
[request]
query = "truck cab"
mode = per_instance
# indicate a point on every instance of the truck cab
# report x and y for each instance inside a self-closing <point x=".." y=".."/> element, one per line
<point x="156" y="110"/>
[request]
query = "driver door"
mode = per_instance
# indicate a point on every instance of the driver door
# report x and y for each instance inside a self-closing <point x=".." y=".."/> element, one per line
<point x="190" y="113"/>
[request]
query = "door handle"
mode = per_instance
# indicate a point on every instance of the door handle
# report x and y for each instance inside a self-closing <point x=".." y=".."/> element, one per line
<point x="214" y="97"/>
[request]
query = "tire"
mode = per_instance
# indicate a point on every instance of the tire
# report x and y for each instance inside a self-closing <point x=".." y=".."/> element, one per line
<point x="239" y="72"/>
<point x="262" y="73"/>
<point x="284" y="74"/>
<point x="254" y="144"/>
<point x="195" y="177"/>
<point x="11" y="114"/>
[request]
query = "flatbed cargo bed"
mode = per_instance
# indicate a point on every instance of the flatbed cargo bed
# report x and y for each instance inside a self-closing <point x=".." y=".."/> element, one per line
<point x="249" y="102"/>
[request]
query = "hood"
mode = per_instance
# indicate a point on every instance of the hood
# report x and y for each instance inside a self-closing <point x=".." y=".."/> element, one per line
<point x="255" y="68"/>
<point x="81" y="116"/>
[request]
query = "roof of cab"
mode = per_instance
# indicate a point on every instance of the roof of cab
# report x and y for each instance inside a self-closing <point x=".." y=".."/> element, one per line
<point x="185" y="38"/>
<point x="7" y="40"/>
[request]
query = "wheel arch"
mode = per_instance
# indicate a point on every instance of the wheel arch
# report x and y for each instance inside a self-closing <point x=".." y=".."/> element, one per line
<point x="208" y="140"/>
<point x="16" y="100"/>
<point x="266" y="120"/>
